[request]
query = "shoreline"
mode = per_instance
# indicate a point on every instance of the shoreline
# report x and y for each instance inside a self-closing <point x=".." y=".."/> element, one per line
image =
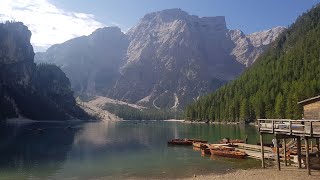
<point x="29" y="121"/>
<point x="270" y="173"/>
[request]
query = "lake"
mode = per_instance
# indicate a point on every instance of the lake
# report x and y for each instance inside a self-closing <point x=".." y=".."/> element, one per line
<point x="113" y="150"/>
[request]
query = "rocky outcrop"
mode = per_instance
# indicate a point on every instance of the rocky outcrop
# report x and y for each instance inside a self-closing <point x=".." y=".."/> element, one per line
<point x="92" y="63"/>
<point x="16" y="55"/>
<point x="249" y="47"/>
<point x="173" y="58"/>
<point x="37" y="92"/>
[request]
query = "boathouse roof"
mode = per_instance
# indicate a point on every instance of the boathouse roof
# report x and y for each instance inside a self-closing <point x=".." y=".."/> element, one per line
<point x="309" y="101"/>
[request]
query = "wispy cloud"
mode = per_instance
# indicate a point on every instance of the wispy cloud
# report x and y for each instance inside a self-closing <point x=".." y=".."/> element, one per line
<point x="49" y="24"/>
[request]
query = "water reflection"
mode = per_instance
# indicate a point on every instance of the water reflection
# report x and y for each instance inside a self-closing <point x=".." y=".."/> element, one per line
<point x="111" y="150"/>
<point x="26" y="147"/>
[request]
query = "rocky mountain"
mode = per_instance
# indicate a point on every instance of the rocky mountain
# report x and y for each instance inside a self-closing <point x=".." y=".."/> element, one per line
<point x="250" y="47"/>
<point x="173" y="58"/>
<point x="286" y="73"/>
<point x="40" y="92"/>
<point x="92" y="63"/>
<point x="166" y="61"/>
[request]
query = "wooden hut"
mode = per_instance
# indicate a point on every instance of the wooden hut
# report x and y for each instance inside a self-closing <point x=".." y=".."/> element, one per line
<point x="311" y="108"/>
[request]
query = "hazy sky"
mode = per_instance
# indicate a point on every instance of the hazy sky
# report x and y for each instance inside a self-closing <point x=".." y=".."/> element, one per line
<point x="55" y="21"/>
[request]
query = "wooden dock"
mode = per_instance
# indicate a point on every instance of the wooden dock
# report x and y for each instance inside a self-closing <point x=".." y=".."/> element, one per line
<point x="254" y="151"/>
<point x="297" y="131"/>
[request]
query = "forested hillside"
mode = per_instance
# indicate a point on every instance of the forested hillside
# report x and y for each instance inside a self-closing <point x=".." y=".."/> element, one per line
<point x="289" y="71"/>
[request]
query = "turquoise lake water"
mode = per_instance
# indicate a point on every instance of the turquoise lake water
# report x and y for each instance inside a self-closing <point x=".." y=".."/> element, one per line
<point x="114" y="150"/>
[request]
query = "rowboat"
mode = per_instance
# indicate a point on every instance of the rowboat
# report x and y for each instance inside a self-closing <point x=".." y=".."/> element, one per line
<point x="199" y="145"/>
<point x="231" y="154"/>
<point x="227" y="141"/>
<point x="198" y="140"/>
<point x="222" y="148"/>
<point x="184" y="142"/>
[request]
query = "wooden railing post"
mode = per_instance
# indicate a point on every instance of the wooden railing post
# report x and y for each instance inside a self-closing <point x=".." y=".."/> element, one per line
<point x="262" y="150"/>
<point x="272" y="126"/>
<point x="306" y="139"/>
<point x="299" y="151"/>
<point x="277" y="151"/>
<point x="311" y="129"/>
<point x="290" y="127"/>
<point x="285" y="151"/>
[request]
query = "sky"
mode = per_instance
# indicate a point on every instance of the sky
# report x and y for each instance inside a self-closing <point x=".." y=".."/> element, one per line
<point x="56" y="21"/>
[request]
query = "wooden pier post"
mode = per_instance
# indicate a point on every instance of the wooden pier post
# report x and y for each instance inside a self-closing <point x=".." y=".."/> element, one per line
<point x="307" y="154"/>
<point x="278" y="155"/>
<point x="262" y="151"/>
<point x="285" y="151"/>
<point x="299" y="151"/>
<point x="317" y="143"/>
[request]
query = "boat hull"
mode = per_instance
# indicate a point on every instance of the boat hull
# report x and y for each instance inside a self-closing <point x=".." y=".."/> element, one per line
<point x="229" y="154"/>
<point x="199" y="145"/>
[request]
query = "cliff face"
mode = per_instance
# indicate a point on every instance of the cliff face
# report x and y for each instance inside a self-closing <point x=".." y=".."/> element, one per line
<point x="16" y="54"/>
<point x="91" y="62"/>
<point x="173" y="58"/>
<point x="249" y="47"/>
<point x="35" y="92"/>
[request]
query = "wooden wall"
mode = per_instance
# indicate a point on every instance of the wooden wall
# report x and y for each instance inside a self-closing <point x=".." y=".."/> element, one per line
<point x="312" y="111"/>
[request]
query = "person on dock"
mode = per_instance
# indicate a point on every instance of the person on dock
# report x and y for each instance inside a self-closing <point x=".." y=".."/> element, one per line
<point x="274" y="142"/>
<point x="246" y="140"/>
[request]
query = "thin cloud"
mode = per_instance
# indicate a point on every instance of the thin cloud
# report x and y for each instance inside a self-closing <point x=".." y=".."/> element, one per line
<point x="49" y="24"/>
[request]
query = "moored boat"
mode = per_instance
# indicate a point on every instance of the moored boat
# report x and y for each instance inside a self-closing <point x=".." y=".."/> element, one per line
<point x="198" y="140"/>
<point x="222" y="148"/>
<point x="199" y="145"/>
<point x="228" y="153"/>
<point x="227" y="141"/>
<point x="184" y="142"/>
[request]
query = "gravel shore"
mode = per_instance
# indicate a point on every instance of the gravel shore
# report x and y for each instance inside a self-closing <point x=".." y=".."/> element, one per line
<point x="287" y="173"/>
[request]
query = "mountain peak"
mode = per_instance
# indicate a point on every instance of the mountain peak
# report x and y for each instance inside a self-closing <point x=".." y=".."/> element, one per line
<point x="169" y="14"/>
<point x="265" y="37"/>
<point x="107" y="29"/>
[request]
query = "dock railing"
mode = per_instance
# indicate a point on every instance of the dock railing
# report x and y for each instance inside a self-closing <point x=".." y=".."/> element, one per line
<point x="290" y="127"/>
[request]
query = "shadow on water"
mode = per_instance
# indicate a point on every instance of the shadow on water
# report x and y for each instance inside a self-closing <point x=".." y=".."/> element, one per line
<point x="25" y="148"/>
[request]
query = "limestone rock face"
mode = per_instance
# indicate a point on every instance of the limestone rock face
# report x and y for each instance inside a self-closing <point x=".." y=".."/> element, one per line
<point x="174" y="57"/>
<point x="37" y="92"/>
<point x="92" y="63"/>
<point x="249" y="47"/>
<point x="16" y="54"/>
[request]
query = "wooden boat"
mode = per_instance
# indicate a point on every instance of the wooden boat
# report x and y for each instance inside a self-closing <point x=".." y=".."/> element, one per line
<point x="198" y="140"/>
<point x="228" y="153"/>
<point x="205" y="151"/>
<point x="184" y="142"/>
<point x="199" y="145"/>
<point x="232" y="145"/>
<point x="226" y="141"/>
<point x="223" y="148"/>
